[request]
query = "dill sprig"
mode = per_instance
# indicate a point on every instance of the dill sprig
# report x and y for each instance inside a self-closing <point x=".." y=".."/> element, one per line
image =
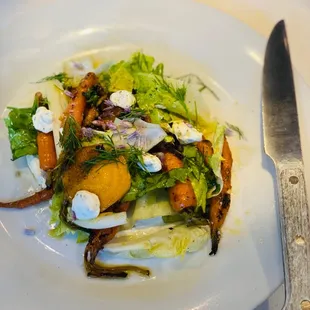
<point x="133" y="114"/>
<point x="69" y="139"/>
<point x="93" y="94"/>
<point x="62" y="77"/>
<point x="235" y="129"/>
<point x="70" y="142"/>
<point x="109" y="153"/>
<point x="179" y="93"/>
<point x="188" y="78"/>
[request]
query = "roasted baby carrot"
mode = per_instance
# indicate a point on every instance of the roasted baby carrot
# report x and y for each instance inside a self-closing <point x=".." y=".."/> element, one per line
<point x="90" y="115"/>
<point x="181" y="195"/>
<point x="220" y="204"/>
<point x="36" y="198"/>
<point x="46" y="146"/>
<point x="76" y="107"/>
<point x="46" y="150"/>
<point x="205" y="148"/>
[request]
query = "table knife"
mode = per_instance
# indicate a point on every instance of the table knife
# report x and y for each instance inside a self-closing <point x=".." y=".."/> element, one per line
<point x="282" y="144"/>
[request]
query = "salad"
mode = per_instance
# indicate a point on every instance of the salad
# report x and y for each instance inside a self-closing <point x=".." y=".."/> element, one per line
<point x="126" y="161"/>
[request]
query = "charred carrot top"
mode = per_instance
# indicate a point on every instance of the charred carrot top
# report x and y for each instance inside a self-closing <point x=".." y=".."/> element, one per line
<point x="46" y="145"/>
<point x="221" y="203"/>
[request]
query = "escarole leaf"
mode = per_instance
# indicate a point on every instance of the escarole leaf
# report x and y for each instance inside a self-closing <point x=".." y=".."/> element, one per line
<point x="59" y="228"/>
<point x="216" y="159"/>
<point x="22" y="134"/>
<point x="161" y="241"/>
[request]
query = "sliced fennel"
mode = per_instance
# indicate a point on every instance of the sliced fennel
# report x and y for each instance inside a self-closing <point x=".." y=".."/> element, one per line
<point x="162" y="241"/>
<point x="151" y="205"/>
<point x="57" y="104"/>
<point x="104" y="220"/>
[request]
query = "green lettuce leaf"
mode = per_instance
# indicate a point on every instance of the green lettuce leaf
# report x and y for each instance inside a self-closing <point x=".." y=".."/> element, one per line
<point x="199" y="174"/>
<point x="59" y="229"/>
<point x="142" y="184"/>
<point x="22" y="134"/>
<point x="136" y="73"/>
<point x="162" y="241"/>
<point x="216" y="159"/>
<point x="120" y="77"/>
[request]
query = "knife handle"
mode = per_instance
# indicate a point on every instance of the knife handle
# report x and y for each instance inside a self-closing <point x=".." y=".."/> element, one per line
<point x="295" y="226"/>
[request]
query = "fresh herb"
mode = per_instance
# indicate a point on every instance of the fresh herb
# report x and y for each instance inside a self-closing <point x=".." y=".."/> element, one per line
<point x="93" y="94"/>
<point x="235" y="129"/>
<point x="178" y="93"/>
<point x="134" y="113"/>
<point x="62" y="77"/>
<point x="69" y="139"/>
<point x="193" y="78"/>
<point x="143" y="183"/>
<point x="189" y="217"/>
<point x="70" y="142"/>
<point x="109" y="153"/>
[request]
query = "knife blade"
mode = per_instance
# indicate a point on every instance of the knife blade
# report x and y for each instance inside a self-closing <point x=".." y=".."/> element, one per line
<point x="282" y="144"/>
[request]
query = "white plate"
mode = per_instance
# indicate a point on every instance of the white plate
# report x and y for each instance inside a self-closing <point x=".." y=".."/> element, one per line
<point x="38" y="272"/>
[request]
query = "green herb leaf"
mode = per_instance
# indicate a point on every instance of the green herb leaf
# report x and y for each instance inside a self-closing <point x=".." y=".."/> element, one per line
<point x="110" y="153"/>
<point x="142" y="184"/>
<point x="70" y="142"/>
<point x="93" y="94"/>
<point x="134" y="113"/>
<point x="189" y="217"/>
<point x="236" y="129"/>
<point x="61" y="77"/>
<point x="195" y="79"/>
<point x="69" y="139"/>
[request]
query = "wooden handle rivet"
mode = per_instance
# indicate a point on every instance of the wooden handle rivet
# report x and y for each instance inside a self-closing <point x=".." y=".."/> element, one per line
<point x="293" y="179"/>
<point x="305" y="305"/>
<point x="299" y="240"/>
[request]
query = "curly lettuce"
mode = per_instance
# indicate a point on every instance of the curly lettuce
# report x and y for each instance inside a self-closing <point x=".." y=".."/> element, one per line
<point x="58" y="228"/>
<point x="22" y="134"/>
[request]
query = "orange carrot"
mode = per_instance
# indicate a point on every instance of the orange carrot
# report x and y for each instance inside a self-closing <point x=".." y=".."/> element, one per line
<point x="76" y="107"/>
<point x="46" y="145"/>
<point x="36" y="198"/>
<point x="181" y="195"/>
<point x="220" y="204"/>
<point x="46" y="150"/>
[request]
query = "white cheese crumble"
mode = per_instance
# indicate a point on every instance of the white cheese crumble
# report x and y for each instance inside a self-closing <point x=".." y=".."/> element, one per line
<point x="123" y="99"/>
<point x="151" y="163"/>
<point x="186" y="133"/>
<point x="85" y="205"/>
<point x="43" y="120"/>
